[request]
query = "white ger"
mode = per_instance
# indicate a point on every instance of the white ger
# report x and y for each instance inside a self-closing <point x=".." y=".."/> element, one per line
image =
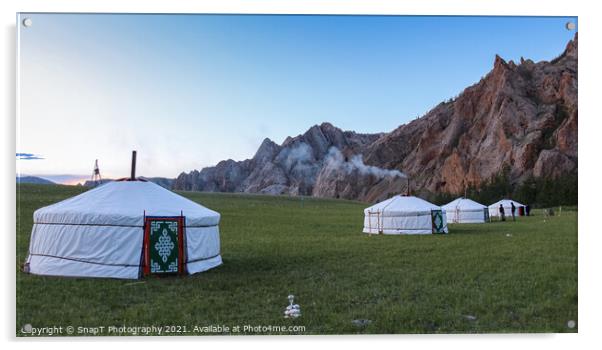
<point x="104" y="232"/>
<point x="494" y="209"/>
<point x="405" y="215"/>
<point x="465" y="211"/>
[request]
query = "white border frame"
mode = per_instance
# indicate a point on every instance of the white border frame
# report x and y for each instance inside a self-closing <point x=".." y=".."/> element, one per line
<point x="589" y="126"/>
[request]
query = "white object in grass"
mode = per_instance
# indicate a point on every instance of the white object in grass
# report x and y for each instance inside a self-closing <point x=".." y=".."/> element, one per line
<point x="292" y="310"/>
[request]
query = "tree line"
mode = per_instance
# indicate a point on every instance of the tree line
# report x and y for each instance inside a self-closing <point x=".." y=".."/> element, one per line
<point x="537" y="192"/>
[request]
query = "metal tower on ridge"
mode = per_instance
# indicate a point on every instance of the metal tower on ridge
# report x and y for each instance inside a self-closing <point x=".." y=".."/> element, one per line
<point x="96" y="178"/>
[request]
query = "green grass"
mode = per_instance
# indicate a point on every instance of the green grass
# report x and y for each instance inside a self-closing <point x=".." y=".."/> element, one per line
<point x="314" y="249"/>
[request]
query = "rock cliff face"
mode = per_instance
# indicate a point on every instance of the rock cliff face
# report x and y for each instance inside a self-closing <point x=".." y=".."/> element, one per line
<point x="520" y="115"/>
<point x="523" y="116"/>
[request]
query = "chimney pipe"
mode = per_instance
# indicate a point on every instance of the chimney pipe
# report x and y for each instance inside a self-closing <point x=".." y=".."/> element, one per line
<point x="133" y="177"/>
<point x="408" y="190"/>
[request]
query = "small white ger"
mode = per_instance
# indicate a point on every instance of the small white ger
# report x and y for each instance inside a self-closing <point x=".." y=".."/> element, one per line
<point x="405" y="215"/>
<point x="465" y="211"/>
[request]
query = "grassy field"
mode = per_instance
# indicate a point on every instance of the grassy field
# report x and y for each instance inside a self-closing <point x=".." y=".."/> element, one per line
<point x="496" y="277"/>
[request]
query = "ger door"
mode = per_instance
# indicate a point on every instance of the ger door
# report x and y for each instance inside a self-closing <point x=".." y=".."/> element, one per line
<point x="163" y="245"/>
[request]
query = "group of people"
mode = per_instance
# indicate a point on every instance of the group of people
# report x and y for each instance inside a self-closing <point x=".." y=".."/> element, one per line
<point x="513" y="211"/>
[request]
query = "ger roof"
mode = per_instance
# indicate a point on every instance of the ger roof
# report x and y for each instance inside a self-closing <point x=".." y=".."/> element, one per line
<point x="125" y="203"/>
<point x="506" y="203"/>
<point x="463" y="203"/>
<point x="402" y="204"/>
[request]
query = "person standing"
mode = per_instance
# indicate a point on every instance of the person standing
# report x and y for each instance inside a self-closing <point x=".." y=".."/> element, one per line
<point x="502" y="214"/>
<point x="527" y="210"/>
<point x="513" y="209"/>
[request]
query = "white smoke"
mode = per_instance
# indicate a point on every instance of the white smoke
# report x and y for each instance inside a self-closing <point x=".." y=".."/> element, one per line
<point x="336" y="161"/>
<point x="298" y="156"/>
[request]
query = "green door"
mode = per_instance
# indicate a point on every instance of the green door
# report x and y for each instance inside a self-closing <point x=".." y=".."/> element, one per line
<point x="164" y="245"/>
<point x="437" y="219"/>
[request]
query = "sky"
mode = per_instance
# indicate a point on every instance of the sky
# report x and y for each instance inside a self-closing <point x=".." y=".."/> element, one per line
<point x="187" y="91"/>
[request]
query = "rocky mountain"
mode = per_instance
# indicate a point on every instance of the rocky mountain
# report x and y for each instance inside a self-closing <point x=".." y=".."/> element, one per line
<point x="520" y="115"/>
<point x="313" y="163"/>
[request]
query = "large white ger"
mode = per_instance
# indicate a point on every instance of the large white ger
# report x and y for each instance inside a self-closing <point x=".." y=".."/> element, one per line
<point x="124" y="229"/>
<point x="464" y="211"/>
<point x="494" y="209"/>
<point x="405" y="215"/>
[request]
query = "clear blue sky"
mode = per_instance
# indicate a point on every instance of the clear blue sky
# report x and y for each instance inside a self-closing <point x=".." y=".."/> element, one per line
<point x="189" y="90"/>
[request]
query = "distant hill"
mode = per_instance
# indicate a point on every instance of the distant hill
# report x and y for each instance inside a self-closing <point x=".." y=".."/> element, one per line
<point x="89" y="183"/>
<point x="33" y="180"/>
<point x="161" y="181"/>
